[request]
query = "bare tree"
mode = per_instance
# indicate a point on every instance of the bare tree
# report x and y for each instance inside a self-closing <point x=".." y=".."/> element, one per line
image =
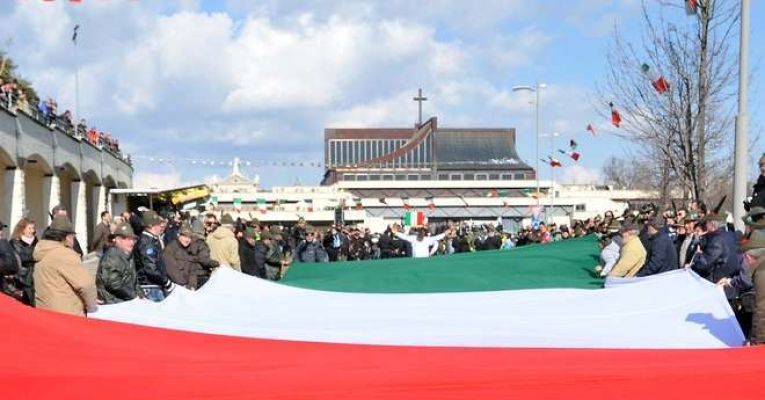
<point x="631" y="173"/>
<point x="686" y="129"/>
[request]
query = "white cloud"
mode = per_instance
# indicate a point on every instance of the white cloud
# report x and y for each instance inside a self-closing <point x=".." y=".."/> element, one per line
<point x="578" y="174"/>
<point x="157" y="180"/>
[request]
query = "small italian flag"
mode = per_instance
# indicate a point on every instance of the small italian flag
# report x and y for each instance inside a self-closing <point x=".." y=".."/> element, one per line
<point x="308" y="205"/>
<point x="261" y="205"/>
<point x="431" y="204"/>
<point x="415" y="218"/>
<point x="405" y="200"/>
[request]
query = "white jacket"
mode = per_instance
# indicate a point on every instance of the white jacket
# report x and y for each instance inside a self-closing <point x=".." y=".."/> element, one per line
<point x="421" y="248"/>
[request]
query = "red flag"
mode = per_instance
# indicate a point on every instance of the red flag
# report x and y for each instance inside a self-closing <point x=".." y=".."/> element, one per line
<point x="691" y="6"/>
<point x="591" y="129"/>
<point x="573" y="154"/>
<point x="657" y="80"/>
<point x="660" y="84"/>
<point x="616" y="119"/>
<point x="553" y="162"/>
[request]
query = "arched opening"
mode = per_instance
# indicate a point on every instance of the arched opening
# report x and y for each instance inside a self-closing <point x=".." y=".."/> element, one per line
<point x="37" y="188"/>
<point x="6" y="162"/>
<point x="66" y="175"/>
<point x="109" y="183"/>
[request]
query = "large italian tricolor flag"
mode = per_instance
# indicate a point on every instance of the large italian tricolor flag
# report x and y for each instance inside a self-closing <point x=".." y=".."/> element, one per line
<point x="528" y="323"/>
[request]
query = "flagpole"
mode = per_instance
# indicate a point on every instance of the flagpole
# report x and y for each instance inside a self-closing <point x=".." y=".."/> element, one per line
<point x="76" y="82"/>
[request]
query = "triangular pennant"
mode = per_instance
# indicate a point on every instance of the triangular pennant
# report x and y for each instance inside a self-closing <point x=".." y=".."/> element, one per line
<point x="591" y="129"/>
<point x="616" y="118"/>
<point x="658" y="82"/>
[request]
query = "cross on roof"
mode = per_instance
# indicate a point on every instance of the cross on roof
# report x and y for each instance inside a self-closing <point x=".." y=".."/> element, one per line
<point x="419" y="99"/>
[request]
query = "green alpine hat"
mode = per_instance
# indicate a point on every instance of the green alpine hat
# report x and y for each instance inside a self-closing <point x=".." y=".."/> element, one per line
<point x="62" y="223"/>
<point x="125" y="230"/>
<point x="755" y="241"/>
<point x="227" y="219"/>
<point x="150" y="218"/>
<point x="186" y="230"/>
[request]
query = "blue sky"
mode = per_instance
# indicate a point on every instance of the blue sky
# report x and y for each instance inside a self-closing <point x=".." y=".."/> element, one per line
<point x="211" y="80"/>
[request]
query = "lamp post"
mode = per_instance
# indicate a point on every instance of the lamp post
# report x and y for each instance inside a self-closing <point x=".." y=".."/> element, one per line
<point x="535" y="89"/>
<point x="742" y="121"/>
<point x="552" y="137"/>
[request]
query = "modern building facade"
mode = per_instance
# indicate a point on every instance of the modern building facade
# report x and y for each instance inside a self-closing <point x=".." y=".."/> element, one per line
<point x="43" y="166"/>
<point x="423" y="153"/>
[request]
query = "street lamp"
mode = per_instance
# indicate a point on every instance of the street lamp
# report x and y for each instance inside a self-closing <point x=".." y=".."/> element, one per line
<point x="742" y="121"/>
<point x="552" y="137"/>
<point x="535" y="89"/>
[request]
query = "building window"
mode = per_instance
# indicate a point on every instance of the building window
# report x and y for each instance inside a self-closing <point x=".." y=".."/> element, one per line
<point x="343" y="153"/>
<point x="469" y="177"/>
<point x="493" y="177"/>
<point x="581" y="207"/>
<point x="413" y="177"/>
<point x="349" y="177"/>
<point x="520" y="177"/>
<point x="507" y="177"/>
<point x="424" y="177"/>
<point x="374" y="177"/>
<point x="362" y="177"/>
<point x="400" y="177"/>
<point x="480" y="177"/>
<point x="455" y="177"/>
<point x="387" y="177"/>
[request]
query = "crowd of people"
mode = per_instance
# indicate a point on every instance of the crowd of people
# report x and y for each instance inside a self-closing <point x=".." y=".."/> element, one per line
<point x="146" y="254"/>
<point x="13" y="98"/>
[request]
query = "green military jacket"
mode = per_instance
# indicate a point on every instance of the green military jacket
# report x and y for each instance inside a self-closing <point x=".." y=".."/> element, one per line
<point x="116" y="279"/>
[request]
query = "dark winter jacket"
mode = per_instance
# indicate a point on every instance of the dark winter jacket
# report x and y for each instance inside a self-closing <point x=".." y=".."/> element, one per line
<point x="492" y="243"/>
<point x="662" y="256"/>
<point x="311" y="252"/>
<point x="718" y="259"/>
<point x="204" y="264"/>
<point x="148" y="261"/>
<point x="116" y="278"/>
<point x="9" y="264"/>
<point x="758" y="193"/>
<point x="180" y="265"/>
<point x="247" y="257"/>
<point x="24" y="277"/>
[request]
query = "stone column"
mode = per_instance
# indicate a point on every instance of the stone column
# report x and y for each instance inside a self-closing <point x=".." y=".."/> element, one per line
<point x="108" y="196"/>
<point x="80" y="212"/>
<point x="100" y="201"/>
<point x="51" y="194"/>
<point x="13" y="195"/>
